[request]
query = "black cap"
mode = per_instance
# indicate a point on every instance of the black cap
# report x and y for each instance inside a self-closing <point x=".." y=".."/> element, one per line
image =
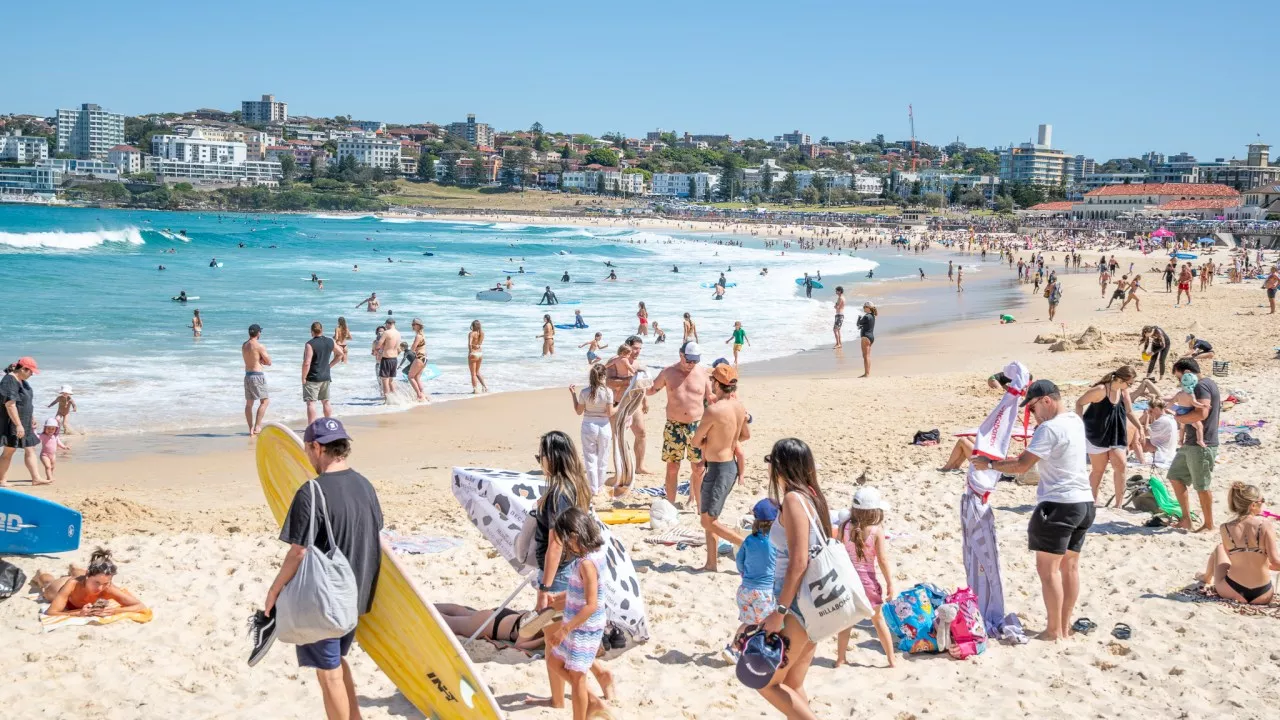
<point x="255" y="329"/>
<point x="1039" y="389"/>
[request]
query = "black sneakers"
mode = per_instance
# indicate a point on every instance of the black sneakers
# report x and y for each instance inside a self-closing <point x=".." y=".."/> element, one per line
<point x="262" y="632"/>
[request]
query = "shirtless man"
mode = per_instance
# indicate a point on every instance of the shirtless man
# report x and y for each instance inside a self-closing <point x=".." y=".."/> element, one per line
<point x="1122" y="285"/>
<point x="388" y="354"/>
<point x="723" y="426"/>
<point x="839" y="323"/>
<point x="1184" y="284"/>
<point x="688" y="389"/>
<point x="255" y="382"/>
<point x="372" y="301"/>
<point x="1270" y="284"/>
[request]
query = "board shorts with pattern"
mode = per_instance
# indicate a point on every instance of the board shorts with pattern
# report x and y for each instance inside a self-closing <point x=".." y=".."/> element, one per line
<point x="255" y="386"/>
<point x="754" y="605"/>
<point x="675" y="442"/>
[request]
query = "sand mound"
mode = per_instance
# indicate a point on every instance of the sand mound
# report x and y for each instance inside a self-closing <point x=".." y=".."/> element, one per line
<point x="1091" y="339"/>
<point x="113" y="510"/>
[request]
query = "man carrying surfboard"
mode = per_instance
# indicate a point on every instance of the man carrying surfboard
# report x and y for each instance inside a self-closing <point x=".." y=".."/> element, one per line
<point x="354" y="520"/>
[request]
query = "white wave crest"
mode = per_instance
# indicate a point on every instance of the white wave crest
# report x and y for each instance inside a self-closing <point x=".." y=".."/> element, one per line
<point x="71" y="240"/>
<point x="325" y="216"/>
<point x="402" y="220"/>
<point x="509" y="227"/>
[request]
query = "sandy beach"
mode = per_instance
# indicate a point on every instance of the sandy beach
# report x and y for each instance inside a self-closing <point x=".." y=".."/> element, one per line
<point x="195" y="541"/>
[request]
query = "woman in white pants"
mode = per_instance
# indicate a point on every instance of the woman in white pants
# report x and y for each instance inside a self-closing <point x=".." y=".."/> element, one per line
<point x="595" y="404"/>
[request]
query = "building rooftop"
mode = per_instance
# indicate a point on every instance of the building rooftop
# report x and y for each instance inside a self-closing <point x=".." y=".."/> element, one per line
<point x="1064" y="206"/>
<point x="124" y="148"/>
<point x="1201" y="204"/>
<point x="1202" y="189"/>
<point x="1272" y="189"/>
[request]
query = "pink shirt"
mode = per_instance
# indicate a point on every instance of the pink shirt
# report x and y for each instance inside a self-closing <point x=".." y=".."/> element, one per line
<point x="50" y="443"/>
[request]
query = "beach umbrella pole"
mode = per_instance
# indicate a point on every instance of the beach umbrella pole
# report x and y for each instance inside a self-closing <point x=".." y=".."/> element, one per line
<point x="505" y="603"/>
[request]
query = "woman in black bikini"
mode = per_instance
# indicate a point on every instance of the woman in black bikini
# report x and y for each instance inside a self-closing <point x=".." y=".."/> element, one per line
<point x="464" y="621"/>
<point x="1240" y="566"/>
<point x="867" y="334"/>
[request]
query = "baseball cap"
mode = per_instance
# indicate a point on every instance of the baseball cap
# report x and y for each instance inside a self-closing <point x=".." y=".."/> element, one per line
<point x="690" y="351"/>
<point x="325" y="431"/>
<point x="1039" y="389"/>
<point x="29" y="363"/>
<point x="725" y="374"/>
<point x="766" y="509"/>
<point x="760" y="659"/>
<point x="869" y="498"/>
<point x="255" y="329"/>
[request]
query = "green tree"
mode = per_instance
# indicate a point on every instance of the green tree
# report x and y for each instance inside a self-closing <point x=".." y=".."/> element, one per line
<point x="953" y="198"/>
<point x="810" y="195"/>
<point x="693" y="188"/>
<point x="766" y="180"/>
<point x="536" y="128"/>
<point x="426" y="167"/>
<point x="787" y="187"/>
<point x="288" y="168"/>
<point x="915" y="191"/>
<point x="933" y="200"/>
<point x="600" y="189"/>
<point x="819" y="183"/>
<point x="602" y="156"/>
<point x="729" y="177"/>
<point x="451" y="169"/>
<point x="1004" y="204"/>
<point x="973" y="198"/>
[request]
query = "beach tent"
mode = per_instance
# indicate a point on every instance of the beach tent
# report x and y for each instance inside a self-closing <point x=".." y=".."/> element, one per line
<point x="499" y="501"/>
<point x="1206" y="241"/>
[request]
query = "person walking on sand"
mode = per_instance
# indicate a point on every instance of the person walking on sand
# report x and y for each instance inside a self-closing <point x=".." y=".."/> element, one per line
<point x="475" y="355"/>
<point x="867" y="334"/>
<point x="346" y="502"/>
<point x="738" y="338"/>
<point x="1107" y="411"/>
<point x="197" y="325"/>
<point x="1193" y="463"/>
<point x="688" y="391"/>
<point x="17" y="429"/>
<point x="319" y="355"/>
<point x="388" y="358"/>
<point x="1134" y="287"/>
<point x="1270" y="285"/>
<point x="255" y="380"/>
<point x="1104" y="279"/>
<point x="372" y="302"/>
<point x="1064" y="509"/>
<point x="66" y="405"/>
<point x="723" y="426"/>
<point x="690" y="330"/>
<point x="1184" y="285"/>
<point x="548" y="336"/>
<point x="837" y="327"/>
<point x="643" y="316"/>
<point x="1054" y="295"/>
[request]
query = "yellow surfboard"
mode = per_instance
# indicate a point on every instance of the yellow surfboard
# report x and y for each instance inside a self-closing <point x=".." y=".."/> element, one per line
<point x="623" y="516"/>
<point x="403" y="633"/>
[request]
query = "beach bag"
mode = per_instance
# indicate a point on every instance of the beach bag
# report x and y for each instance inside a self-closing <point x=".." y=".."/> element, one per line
<point x="968" y="632"/>
<point x="831" y="596"/>
<point x="910" y="618"/>
<point x="319" y="603"/>
<point x="662" y="515"/>
<point x="1221" y="368"/>
<point x="926" y="436"/>
<point x="12" y="579"/>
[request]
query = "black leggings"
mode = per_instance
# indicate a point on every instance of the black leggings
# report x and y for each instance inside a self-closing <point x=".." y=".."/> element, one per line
<point x="1161" y="356"/>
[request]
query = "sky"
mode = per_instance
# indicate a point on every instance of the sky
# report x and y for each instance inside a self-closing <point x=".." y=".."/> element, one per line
<point x="1115" y="78"/>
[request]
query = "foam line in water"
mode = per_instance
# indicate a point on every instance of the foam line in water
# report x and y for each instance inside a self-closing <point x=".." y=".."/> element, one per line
<point x="58" y="240"/>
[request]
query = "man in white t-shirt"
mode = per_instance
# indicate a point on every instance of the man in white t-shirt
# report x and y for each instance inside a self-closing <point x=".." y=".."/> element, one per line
<point x="1064" y="501"/>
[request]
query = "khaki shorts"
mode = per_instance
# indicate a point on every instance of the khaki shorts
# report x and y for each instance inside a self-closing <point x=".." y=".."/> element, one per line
<point x="255" y="386"/>
<point x="1193" y="465"/>
<point x="313" y="391"/>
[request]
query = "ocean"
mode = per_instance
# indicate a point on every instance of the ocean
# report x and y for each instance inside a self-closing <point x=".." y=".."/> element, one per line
<point x="85" y="298"/>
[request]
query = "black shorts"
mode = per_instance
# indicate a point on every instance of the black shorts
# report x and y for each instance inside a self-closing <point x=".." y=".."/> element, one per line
<point x="716" y="485"/>
<point x="1058" y="527"/>
<point x="1271" y="292"/>
<point x="387" y="367"/>
<point x="1117" y="295"/>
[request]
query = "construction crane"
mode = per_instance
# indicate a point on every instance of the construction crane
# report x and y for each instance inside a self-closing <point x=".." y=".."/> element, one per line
<point x="915" y="156"/>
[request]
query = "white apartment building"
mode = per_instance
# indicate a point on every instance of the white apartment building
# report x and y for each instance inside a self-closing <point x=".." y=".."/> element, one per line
<point x="677" y="184"/>
<point x="834" y="179"/>
<point x="868" y="184"/>
<point x="264" y="112"/>
<point x="252" y="172"/>
<point x="126" y="158"/>
<point x="369" y="149"/>
<point x="198" y="149"/>
<point x="91" y="168"/>
<point x="372" y="126"/>
<point x="89" y="132"/>
<point x="39" y="180"/>
<point x="23" y="149"/>
<point x="615" y="181"/>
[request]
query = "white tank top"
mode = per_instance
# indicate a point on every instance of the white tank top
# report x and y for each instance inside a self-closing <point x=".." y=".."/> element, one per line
<point x="597" y="403"/>
<point x="778" y="538"/>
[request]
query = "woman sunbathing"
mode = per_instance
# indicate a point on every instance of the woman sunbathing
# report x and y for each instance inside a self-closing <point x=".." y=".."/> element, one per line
<point x="1240" y="566"/>
<point x="87" y="592"/>
<point x="464" y="621"/>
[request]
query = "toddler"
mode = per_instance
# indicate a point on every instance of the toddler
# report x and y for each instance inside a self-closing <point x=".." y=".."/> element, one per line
<point x="863" y="538"/>
<point x="756" y="561"/>
<point x="1184" y="401"/>
<point x="50" y="444"/>
<point x="574" y="642"/>
<point x="66" y="405"/>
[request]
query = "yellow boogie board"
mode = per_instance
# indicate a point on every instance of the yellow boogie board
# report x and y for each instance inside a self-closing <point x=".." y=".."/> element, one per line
<point x="403" y="633"/>
<point x="623" y="516"/>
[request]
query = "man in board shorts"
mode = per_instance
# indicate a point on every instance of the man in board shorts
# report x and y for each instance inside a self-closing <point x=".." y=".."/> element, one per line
<point x="688" y="392"/>
<point x="255" y="381"/>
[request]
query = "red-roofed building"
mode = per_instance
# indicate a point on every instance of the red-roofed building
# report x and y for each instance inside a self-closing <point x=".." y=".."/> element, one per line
<point x="1107" y="202"/>
<point x="1049" y="209"/>
<point x="126" y="158"/>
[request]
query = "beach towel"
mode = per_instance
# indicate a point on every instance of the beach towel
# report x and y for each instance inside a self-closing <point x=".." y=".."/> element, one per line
<point x="691" y="537"/>
<point x="49" y="623"/>
<point x="681" y="489"/>
<point x="994" y="434"/>
<point x="623" y="455"/>
<point x="1198" y="592"/>
<point x="420" y="544"/>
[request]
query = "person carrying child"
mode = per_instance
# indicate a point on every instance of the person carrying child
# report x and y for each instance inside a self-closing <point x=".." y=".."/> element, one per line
<point x="66" y="405"/>
<point x="863" y="538"/>
<point x="50" y="444"/>
<point x="756" y="560"/>
<point x="575" y="641"/>
<point x="1184" y="401"/>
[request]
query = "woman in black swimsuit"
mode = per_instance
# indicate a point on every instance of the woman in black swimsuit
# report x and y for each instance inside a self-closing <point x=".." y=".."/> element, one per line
<point x="1240" y="566"/>
<point x="1155" y="342"/>
<point x="867" y="334"/>
<point x="1106" y="427"/>
<point x="464" y="622"/>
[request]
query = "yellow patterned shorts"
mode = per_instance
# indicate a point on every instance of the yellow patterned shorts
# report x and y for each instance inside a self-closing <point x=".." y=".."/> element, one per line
<point x="675" y="442"/>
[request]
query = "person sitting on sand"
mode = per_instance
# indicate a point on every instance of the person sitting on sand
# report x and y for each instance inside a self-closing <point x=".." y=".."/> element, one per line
<point x="1198" y="348"/>
<point x="1240" y="566"/>
<point x="464" y="621"/>
<point x="87" y="592"/>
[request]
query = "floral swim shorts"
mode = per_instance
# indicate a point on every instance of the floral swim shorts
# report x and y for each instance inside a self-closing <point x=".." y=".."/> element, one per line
<point x="675" y="442"/>
<point x="754" y="605"/>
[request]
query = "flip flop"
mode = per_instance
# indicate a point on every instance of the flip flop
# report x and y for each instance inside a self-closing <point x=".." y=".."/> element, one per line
<point x="1084" y="626"/>
<point x="1122" y="631"/>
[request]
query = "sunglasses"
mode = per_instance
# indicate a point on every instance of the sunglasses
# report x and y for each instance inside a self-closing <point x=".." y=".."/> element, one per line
<point x="537" y="457"/>
<point x="768" y="459"/>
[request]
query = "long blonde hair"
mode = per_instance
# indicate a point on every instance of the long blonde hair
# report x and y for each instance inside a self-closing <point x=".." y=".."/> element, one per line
<point x="856" y="527"/>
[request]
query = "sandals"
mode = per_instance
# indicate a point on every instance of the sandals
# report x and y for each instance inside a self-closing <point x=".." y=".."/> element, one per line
<point x="1121" y="632"/>
<point x="1084" y="626"/>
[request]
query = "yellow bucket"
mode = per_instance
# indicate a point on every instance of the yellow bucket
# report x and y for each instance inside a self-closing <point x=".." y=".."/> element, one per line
<point x="1146" y="357"/>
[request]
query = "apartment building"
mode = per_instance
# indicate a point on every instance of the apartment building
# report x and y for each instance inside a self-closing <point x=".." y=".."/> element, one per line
<point x="478" y="134"/>
<point x="371" y="126"/>
<point x="369" y="149"/>
<point x="252" y="172"/>
<point x="196" y="148"/>
<point x="23" y="149"/>
<point x="266" y="111"/>
<point x="678" y="184"/>
<point x="1035" y="163"/>
<point x="89" y="132"/>
<point x="84" y="167"/>
<point x="38" y="181"/>
<point x="126" y="158"/>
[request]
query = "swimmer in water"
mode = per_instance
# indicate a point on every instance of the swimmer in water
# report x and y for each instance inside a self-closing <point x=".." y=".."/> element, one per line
<point x="372" y="301"/>
<point x="213" y="262"/>
<point x="612" y="275"/>
<point x="508" y="283"/>
<point x="355" y="268"/>
<point x="197" y="325"/>
<point x="565" y="277"/>
<point x="549" y="298"/>
<point x="675" y="268"/>
<point x="314" y="277"/>
<point x="462" y="272"/>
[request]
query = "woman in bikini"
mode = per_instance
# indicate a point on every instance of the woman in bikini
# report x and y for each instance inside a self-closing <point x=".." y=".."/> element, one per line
<point x="418" y="350"/>
<point x="475" y="341"/>
<point x="548" y="336"/>
<point x="464" y="621"/>
<point x="197" y="325"/>
<point x="690" y="330"/>
<point x="1240" y="566"/>
<point x="643" y="315"/>
<point x="341" y="336"/>
<point x="88" y="592"/>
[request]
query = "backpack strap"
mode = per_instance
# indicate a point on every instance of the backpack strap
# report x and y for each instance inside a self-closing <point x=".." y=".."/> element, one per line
<point x="314" y="487"/>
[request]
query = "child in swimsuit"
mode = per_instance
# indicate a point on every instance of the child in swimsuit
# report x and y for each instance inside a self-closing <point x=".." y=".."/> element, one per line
<point x="592" y="346"/>
<point x="1184" y="401"/>
<point x="50" y="444"/>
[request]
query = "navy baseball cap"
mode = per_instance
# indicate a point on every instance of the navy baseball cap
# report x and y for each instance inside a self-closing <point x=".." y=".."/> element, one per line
<point x="325" y="431"/>
<point x="760" y="659"/>
<point x="766" y="509"/>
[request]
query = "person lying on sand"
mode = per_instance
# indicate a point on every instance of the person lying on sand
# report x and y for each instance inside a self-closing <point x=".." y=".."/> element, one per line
<point x="87" y="592"/>
<point x="464" y="621"/>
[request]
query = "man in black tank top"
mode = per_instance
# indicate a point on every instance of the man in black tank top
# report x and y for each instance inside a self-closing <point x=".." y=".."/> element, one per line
<point x="317" y="358"/>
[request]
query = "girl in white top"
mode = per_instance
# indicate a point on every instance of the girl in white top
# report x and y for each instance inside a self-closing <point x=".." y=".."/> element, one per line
<point x="793" y="479"/>
<point x="595" y="404"/>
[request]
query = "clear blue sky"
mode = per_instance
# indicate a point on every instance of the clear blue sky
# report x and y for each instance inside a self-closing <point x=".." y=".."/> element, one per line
<point x="1115" y="78"/>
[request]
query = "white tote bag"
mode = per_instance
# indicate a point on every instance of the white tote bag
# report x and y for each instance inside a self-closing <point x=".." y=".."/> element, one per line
<point x="831" y="596"/>
<point x="319" y="603"/>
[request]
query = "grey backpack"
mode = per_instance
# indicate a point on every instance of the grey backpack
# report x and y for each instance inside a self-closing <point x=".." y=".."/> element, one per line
<point x="319" y="603"/>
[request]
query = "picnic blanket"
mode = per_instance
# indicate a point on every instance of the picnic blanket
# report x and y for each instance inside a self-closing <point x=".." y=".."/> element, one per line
<point x="49" y="623"/>
<point x="1198" y="592"/>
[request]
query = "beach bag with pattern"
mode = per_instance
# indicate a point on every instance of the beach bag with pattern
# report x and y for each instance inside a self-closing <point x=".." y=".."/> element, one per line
<point x="910" y="618"/>
<point x="319" y="603"/>
<point x="831" y="596"/>
<point x="968" y="632"/>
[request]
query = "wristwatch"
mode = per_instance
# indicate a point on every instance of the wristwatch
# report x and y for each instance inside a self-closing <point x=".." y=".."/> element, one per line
<point x="782" y="610"/>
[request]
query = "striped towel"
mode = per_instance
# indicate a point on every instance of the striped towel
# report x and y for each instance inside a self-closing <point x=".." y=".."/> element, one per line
<point x="693" y="537"/>
<point x="681" y="489"/>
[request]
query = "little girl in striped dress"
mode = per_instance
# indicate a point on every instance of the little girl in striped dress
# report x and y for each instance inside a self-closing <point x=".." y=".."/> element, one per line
<point x="575" y="641"/>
